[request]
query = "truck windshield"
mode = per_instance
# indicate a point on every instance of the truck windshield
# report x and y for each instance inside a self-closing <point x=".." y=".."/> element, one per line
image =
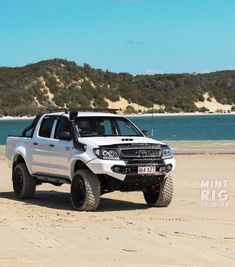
<point x="105" y="126"/>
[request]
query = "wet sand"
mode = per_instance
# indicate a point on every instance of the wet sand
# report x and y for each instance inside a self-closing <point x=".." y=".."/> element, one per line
<point x="202" y="147"/>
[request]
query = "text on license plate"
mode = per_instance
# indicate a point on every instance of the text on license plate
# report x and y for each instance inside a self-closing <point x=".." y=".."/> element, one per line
<point x="146" y="169"/>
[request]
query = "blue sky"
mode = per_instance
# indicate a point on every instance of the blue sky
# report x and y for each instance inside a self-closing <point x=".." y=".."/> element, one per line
<point x="136" y="36"/>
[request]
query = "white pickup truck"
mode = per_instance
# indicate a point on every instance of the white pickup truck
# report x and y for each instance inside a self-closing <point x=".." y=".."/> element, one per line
<point x="95" y="152"/>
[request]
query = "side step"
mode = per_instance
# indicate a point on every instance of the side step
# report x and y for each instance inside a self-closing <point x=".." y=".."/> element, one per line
<point x="52" y="179"/>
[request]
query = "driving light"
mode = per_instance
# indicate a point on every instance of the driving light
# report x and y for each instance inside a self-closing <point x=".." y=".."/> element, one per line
<point x="169" y="167"/>
<point x="162" y="169"/>
<point x="105" y="153"/>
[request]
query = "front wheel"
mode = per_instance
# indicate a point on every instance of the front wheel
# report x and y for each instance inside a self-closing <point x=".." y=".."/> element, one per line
<point x="24" y="184"/>
<point x="85" y="190"/>
<point x="160" y="196"/>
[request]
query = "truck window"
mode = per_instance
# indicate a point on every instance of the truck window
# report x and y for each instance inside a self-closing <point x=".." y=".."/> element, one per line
<point x="46" y="127"/>
<point x="105" y="126"/>
<point x="124" y="127"/>
<point x="62" y="126"/>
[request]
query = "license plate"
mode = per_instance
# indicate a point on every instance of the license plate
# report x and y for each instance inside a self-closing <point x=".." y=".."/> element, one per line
<point x="146" y="170"/>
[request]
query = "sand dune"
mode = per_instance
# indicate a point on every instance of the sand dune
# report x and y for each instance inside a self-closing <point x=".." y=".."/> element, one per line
<point x="45" y="231"/>
<point x="212" y="104"/>
<point x="122" y="104"/>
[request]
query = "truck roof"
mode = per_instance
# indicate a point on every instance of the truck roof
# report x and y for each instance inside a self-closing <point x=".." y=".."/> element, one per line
<point x="86" y="114"/>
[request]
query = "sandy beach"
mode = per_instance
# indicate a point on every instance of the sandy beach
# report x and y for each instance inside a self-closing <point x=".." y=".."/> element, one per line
<point x="46" y="231"/>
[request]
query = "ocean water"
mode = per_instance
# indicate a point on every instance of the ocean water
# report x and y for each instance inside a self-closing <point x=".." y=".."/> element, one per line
<point x="204" y="127"/>
<point x="189" y="127"/>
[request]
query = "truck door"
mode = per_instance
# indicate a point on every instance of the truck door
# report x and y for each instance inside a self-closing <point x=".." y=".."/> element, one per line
<point x="60" y="149"/>
<point x="41" y="145"/>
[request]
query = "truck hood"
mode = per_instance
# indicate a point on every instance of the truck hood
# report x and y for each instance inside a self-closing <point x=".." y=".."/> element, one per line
<point x="115" y="140"/>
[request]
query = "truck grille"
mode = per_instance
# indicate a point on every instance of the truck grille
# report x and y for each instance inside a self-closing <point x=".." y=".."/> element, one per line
<point x="140" y="153"/>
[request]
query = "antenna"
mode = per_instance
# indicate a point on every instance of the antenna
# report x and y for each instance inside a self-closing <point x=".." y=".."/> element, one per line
<point x="152" y="125"/>
<point x="152" y="122"/>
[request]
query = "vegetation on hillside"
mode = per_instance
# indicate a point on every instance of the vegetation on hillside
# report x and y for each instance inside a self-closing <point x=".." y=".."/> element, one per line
<point x="60" y="83"/>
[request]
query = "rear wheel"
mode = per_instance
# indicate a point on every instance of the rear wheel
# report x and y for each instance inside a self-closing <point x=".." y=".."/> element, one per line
<point x="85" y="191"/>
<point x="160" y="196"/>
<point x="24" y="184"/>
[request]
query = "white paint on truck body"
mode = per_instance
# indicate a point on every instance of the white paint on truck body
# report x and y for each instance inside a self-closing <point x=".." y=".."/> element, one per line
<point x="54" y="157"/>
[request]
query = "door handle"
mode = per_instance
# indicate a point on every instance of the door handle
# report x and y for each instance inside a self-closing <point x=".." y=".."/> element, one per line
<point x="35" y="143"/>
<point x="52" y="145"/>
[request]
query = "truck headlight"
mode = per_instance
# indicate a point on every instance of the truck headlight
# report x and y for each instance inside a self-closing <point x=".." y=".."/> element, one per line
<point x="105" y="153"/>
<point x="166" y="152"/>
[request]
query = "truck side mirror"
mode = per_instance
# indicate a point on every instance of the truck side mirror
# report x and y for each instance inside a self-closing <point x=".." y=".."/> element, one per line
<point x="64" y="135"/>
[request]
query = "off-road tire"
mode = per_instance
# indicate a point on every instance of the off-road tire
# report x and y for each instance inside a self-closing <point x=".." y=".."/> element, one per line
<point x="85" y="191"/>
<point x="161" y="197"/>
<point x="24" y="185"/>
